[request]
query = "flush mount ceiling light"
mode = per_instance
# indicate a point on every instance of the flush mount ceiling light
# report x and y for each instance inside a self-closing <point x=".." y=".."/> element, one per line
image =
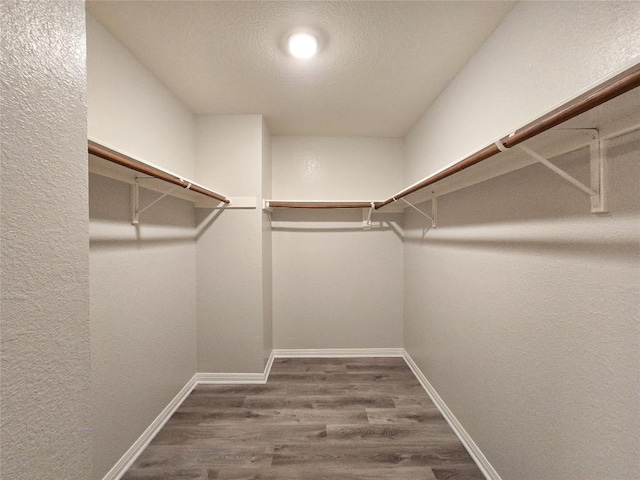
<point x="302" y="45"/>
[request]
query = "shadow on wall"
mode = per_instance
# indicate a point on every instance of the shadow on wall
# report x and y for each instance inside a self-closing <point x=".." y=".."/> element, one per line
<point x="532" y="209"/>
<point x="334" y="220"/>
<point x="205" y="217"/>
<point x="115" y="243"/>
<point x="602" y="249"/>
<point x="170" y="221"/>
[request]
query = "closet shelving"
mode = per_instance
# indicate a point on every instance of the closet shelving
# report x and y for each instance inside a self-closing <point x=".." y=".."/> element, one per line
<point x="316" y="205"/>
<point x="606" y="110"/>
<point x="108" y="162"/>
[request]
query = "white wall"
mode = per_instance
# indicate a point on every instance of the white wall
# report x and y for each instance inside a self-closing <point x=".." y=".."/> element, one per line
<point x="335" y="285"/>
<point x="143" y="313"/>
<point x="230" y="284"/>
<point x="267" y="245"/>
<point x="143" y="292"/>
<point x="541" y="54"/>
<point x="46" y="374"/>
<point x="336" y="168"/>
<point x="130" y="110"/>
<point x="522" y="308"/>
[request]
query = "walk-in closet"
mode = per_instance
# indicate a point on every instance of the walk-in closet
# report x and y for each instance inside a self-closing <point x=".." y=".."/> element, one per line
<point x="320" y="240"/>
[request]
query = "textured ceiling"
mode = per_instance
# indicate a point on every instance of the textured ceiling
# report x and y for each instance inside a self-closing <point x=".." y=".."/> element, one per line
<point x="380" y="64"/>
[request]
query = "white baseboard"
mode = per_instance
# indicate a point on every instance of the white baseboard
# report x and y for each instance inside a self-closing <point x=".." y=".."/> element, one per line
<point x="485" y="466"/>
<point x="230" y="378"/>
<point x="141" y="443"/>
<point x="236" y="378"/>
<point x="267" y="368"/>
<point x="338" y="352"/>
<point x="130" y="456"/>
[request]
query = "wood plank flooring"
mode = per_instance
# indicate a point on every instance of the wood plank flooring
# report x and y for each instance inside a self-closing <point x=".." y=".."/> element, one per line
<point x="329" y="419"/>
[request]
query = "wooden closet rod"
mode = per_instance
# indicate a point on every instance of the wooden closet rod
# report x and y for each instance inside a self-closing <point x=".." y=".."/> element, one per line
<point x="120" y="159"/>
<point x="617" y="85"/>
<point x="325" y="205"/>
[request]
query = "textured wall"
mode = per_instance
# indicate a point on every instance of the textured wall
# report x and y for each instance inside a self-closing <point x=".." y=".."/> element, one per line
<point x="540" y="55"/>
<point x="131" y="110"/>
<point x="143" y="307"/>
<point x="143" y="313"/>
<point x="267" y="245"/>
<point x="522" y="308"/>
<point x="336" y="285"/>
<point x="46" y="376"/>
<point x="230" y="296"/>
<point x="336" y="168"/>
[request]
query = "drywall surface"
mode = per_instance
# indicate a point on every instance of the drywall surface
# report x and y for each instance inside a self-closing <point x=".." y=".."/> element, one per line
<point x="540" y="55"/>
<point x="143" y="290"/>
<point x="230" y="297"/>
<point x="267" y="246"/>
<point x="523" y="310"/>
<point x="143" y="313"/>
<point x="379" y="66"/>
<point x="336" y="168"/>
<point x="334" y="284"/>
<point x="131" y="111"/>
<point x="45" y="403"/>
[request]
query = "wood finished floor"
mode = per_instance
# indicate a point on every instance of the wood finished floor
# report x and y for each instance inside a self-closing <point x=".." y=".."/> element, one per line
<point x="329" y="419"/>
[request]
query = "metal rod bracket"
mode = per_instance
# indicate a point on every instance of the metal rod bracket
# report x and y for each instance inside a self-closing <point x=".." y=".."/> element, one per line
<point x="434" y="210"/>
<point x="366" y="214"/>
<point x="135" y="199"/>
<point x="597" y="191"/>
<point x="599" y="175"/>
<point x="135" y="203"/>
<point x="433" y="207"/>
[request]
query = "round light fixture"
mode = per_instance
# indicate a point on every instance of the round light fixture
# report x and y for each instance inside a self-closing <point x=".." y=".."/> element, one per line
<point x="302" y="45"/>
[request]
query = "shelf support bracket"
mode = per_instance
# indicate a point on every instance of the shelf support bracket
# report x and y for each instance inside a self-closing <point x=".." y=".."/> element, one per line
<point x="135" y="200"/>
<point x="599" y="175"/>
<point x="367" y="221"/>
<point x="434" y="206"/>
<point x="597" y="191"/>
<point x="434" y="210"/>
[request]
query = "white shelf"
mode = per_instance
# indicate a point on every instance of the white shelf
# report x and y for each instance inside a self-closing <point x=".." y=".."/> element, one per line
<point x="108" y="168"/>
<point x="611" y="119"/>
